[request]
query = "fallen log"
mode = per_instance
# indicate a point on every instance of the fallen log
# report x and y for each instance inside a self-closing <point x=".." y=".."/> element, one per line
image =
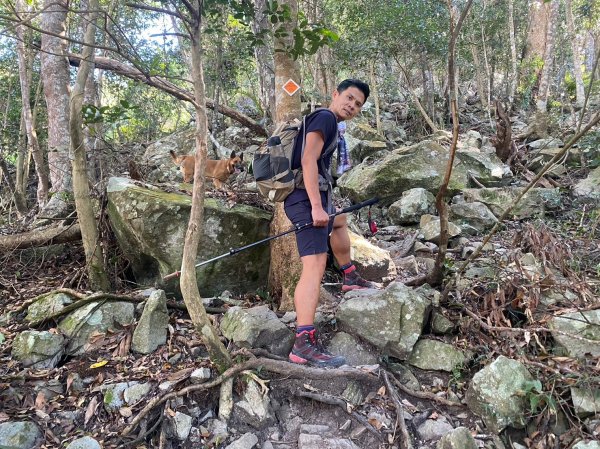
<point x="40" y="237"/>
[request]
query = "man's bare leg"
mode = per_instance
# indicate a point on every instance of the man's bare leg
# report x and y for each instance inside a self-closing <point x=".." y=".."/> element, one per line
<point x="306" y="295"/>
<point x="340" y="240"/>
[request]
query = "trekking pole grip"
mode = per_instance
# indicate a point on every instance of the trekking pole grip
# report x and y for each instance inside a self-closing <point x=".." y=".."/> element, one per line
<point x="358" y="206"/>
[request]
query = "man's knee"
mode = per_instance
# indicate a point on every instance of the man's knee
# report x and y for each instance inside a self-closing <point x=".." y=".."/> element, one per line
<point x="340" y="221"/>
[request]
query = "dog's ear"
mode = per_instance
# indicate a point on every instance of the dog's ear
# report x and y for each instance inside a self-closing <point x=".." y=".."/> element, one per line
<point x="241" y="156"/>
<point x="232" y="155"/>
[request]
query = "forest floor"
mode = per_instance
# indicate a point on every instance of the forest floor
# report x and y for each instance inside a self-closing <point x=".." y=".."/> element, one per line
<point x="493" y="318"/>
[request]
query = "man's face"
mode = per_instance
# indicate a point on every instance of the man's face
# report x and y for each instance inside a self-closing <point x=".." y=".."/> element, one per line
<point x="347" y="104"/>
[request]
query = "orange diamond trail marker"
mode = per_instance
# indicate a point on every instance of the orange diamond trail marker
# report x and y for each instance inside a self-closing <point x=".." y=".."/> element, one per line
<point x="291" y="87"/>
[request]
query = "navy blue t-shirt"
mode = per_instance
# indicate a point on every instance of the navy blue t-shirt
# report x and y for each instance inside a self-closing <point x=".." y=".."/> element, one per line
<point x="325" y="122"/>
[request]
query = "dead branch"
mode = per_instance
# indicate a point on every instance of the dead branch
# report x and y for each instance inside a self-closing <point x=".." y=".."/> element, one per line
<point x="405" y="443"/>
<point x="502" y="141"/>
<point x="425" y="395"/>
<point x="40" y="237"/>
<point x="167" y="86"/>
<point x="519" y="330"/>
<point x="344" y="406"/>
<point x="273" y="366"/>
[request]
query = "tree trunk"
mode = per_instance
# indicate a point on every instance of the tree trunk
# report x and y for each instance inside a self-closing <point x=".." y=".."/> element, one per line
<point x="481" y="90"/>
<point x="32" y="139"/>
<point x="579" y="86"/>
<point x="189" y="285"/>
<point x="513" y="54"/>
<point x="436" y="276"/>
<point x="18" y="193"/>
<point x="286" y="267"/>
<point x="535" y="48"/>
<point x="375" y="92"/>
<point x="85" y="211"/>
<point x="55" y="74"/>
<point x="542" y="97"/>
<point x="416" y="101"/>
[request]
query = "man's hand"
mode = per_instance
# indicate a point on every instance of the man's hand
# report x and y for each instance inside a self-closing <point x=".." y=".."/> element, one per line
<point x="320" y="217"/>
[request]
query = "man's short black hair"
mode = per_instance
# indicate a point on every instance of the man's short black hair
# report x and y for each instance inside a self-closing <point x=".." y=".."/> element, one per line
<point x="351" y="82"/>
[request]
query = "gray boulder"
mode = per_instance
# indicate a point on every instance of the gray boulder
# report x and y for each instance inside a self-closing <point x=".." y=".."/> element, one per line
<point x="47" y="305"/>
<point x="157" y="155"/>
<point x="353" y="350"/>
<point x="38" y="349"/>
<point x="586" y="402"/>
<point x="246" y="441"/>
<point x="534" y="203"/>
<point x="472" y="217"/>
<point x="459" y="438"/>
<point x="587" y="445"/>
<point x="150" y="226"/>
<point x="94" y="318"/>
<point x="254" y="408"/>
<point x="179" y="426"/>
<point x="496" y="394"/>
<point x="363" y="131"/>
<point x="257" y="327"/>
<point x="151" y="331"/>
<point x="420" y="165"/>
<point x="413" y="204"/>
<point x="434" y="429"/>
<point x="391" y="319"/>
<point x="545" y="143"/>
<point x="19" y="435"/>
<point x="84" y="443"/>
<point x="584" y="324"/>
<point x="436" y="355"/>
<point x="430" y="228"/>
<point x="372" y="262"/>
<point x="366" y="148"/>
<point x="589" y="188"/>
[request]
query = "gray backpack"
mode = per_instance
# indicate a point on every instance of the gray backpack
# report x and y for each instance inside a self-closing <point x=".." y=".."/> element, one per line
<point x="272" y="164"/>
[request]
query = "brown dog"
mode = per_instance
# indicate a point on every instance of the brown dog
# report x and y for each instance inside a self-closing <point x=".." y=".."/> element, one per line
<point x="219" y="171"/>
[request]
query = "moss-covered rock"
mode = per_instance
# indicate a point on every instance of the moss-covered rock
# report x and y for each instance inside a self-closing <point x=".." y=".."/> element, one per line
<point x="436" y="355"/>
<point x="47" y="305"/>
<point x="391" y="320"/>
<point x="94" y="318"/>
<point x="150" y="226"/>
<point x="39" y="349"/>
<point x="420" y="165"/>
<point x="535" y="203"/>
<point x="496" y="393"/>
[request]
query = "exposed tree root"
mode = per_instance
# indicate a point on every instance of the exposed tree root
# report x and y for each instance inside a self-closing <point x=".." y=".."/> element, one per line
<point x="405" y="442"/>
<point x="331" y="400"/>
<point x="273" y="366"/>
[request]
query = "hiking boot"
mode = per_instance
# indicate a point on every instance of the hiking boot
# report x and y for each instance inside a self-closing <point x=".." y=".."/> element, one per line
<point x="354" y="281"/>
<point x="308" y="350"/>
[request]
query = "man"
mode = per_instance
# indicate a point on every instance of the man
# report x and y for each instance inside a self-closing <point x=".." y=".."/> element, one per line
<point x="311" y="202"/>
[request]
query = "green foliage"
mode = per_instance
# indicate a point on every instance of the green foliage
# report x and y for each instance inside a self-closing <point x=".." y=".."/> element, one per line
<point x="107" y="114"/>
<point x="539" y="401"/>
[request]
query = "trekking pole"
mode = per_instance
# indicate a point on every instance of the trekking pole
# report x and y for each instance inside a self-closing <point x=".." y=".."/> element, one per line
<point x="296" y="228"/>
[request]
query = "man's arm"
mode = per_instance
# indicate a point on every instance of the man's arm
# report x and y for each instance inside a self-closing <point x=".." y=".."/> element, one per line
<point x="310" y="173"/>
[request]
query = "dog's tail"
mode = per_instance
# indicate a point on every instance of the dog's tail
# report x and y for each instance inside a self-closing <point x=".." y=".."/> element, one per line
<point x="176" y="159"/>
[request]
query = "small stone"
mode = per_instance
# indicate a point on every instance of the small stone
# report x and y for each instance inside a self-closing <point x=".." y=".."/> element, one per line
<point x="200" y="375"/>
<point x="247" y="441"/>
<point x="84" y="443"/>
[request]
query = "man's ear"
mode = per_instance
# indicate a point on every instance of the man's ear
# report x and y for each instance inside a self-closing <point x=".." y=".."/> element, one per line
<point x="232" y="155"/>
